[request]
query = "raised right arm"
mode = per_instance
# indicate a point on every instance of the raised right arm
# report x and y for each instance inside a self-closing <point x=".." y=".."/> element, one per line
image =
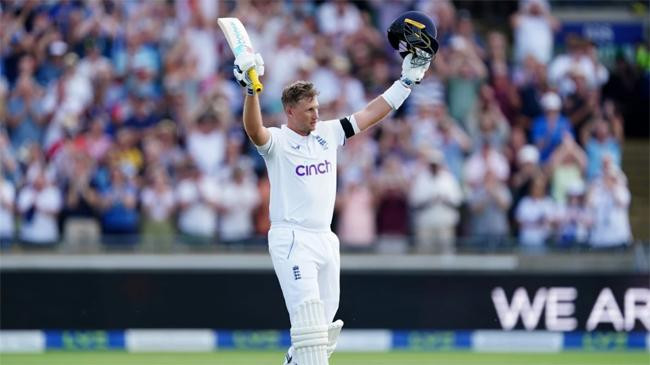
<point x="253" y="125"/>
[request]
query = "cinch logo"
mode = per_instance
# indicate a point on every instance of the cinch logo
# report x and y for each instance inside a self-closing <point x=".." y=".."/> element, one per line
<point x="313" y="169"/>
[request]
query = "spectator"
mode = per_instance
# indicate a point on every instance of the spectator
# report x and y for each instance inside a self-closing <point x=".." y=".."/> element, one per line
<point x="25" y="116"/>
<point x="609" y="199"/>
<point x="533" y="27"/>
<point x="158" y="208"/>
<point x="339" y="18"/>
<point x="600" y="144"/>
<point x="80" y="225"/>
<point x="94" y="141"/>
<point x="489" y="204"/>
<point x="582" y="56"/>
<point x="206" y="144"/>
<point x="580" y="105"/>
<point x="39" y="204"/>
<point x="240" y="197"/>
<point x="143" y="117"/>
<point x="566" y="167"/>
<point x="487" y="122"/>
<point x="549" y="128"/>
<point x="485" y="158"/>
<point x="171" y="153"/>
<point x="434" y="198"/>
<point x="505" y="92"/>
<point x="535" y="214"/>
<point x="127" y="152"/>
<point x="532" y="82"/>
<point x="198" y="198"/>
<point x="7" y="206"/>
<point x="574" y="219"/>
<point x="465" y="74"/>
<point x="453" y="142"/>
<point x="356" y="225"/>
<point x="118" y="211"/>
<point x="261" y="214"/>
<point x="391" y="189"/>
<point x="94" y="64"/>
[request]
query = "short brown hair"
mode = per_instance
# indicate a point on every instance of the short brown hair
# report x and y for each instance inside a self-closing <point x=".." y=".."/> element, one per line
<point x="297" y="91"/>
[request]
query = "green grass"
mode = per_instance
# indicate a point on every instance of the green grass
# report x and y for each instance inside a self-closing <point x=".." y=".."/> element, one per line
<point x="274" y="358"/>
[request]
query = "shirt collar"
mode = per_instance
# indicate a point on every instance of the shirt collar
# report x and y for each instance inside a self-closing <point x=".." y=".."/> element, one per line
<point x="293" y="136"/>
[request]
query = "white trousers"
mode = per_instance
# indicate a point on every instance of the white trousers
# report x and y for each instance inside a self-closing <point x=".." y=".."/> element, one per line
<point x="307" y="265"/>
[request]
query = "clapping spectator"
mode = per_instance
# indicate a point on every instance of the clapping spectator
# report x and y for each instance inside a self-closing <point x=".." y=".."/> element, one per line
<point x="158" y="203"/>
<point x="485" y="158"/>
<point x="454" y="143"/>
<point x="487" y="122"/>
<point x="128" y="153"/>
<point x="580" y="105"/>
<point x="206" y="144"/>
<point x="527" y="169"/>
<point x="391" y="191"/>
<point x="356" y="212"/>
<point x="535" y="216"/>
<point x="465" y="73"/>
<point x="7" y="206"/>
<point x="533" y="27"/>
<point x="435" y="197"/>
<point x="549" y="128"/>
<point x="39" y="203"/>
<point x="80" y="226"/>
<point x="143" y="116"/>
<point x="95" y="141"/>
<point x="582" y="56"/>
<point x="198" y="199"/>
<point x="573" y="218"/>
<point x="566" y="167"/>
<point x="488" y="205"/>
<point x="601" y="144"/>
<point x="239" y="199"/>
<point x="609" y="199"/>
<point x="120" y="218"/>
<point x="25" y="116"/>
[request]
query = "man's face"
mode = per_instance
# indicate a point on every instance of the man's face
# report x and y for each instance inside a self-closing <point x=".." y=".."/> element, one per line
<point x="303" y="116"/>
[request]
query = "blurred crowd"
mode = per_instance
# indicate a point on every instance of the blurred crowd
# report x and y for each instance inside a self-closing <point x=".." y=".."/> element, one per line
<point x="121" y="124"/>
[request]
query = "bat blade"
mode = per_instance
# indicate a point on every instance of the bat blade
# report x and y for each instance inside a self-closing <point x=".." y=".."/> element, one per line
<point x="239" y="43"/>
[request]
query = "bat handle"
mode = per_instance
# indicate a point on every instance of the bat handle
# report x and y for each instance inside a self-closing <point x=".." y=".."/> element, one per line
<point x="257" y="85"/>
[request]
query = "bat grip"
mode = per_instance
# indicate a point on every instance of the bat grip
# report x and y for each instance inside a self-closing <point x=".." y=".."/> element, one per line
<point x="257" y="85"/>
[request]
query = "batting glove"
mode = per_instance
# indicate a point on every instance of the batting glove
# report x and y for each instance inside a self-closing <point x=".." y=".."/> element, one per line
<point x="412" y="72"/>
<point x="245" y="62"/>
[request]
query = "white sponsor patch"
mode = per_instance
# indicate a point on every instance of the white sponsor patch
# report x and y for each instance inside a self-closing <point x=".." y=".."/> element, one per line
<point x="22" y="341"/>
<point x="517" y="341"/>
<point x="170" y="340"/>
<point x="364" y="340"/>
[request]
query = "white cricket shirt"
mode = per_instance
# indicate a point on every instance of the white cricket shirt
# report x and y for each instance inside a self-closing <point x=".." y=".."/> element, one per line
<point x="302" y="172"/>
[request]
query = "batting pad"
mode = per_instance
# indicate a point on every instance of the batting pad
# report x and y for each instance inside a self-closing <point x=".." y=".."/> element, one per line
<point x="309" y="333"/>
<point x="333" y="332"/>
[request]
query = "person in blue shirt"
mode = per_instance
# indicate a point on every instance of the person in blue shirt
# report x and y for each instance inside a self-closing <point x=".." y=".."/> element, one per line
<point x="549" y="128"/>
<point x="601" y="143"/>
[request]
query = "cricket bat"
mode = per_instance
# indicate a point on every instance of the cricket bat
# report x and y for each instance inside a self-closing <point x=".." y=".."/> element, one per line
<point x="239" y="43"/>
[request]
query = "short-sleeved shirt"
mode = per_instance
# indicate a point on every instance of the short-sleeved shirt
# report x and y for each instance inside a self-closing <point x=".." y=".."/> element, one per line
<point x="302" y="172"/>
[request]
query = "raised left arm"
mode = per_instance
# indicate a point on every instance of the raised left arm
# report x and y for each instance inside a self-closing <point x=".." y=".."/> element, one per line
<point x="374" y="112"/>
<point x="391" y="99"/>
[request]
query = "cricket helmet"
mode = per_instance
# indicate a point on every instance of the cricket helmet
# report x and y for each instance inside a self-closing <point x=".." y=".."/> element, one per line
<point x="414" y="32"/>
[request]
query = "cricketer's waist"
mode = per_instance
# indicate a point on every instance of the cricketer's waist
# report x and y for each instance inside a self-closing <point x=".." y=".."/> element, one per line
<point x="300" y="226"/>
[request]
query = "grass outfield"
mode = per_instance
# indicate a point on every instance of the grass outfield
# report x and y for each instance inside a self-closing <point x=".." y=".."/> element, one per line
<point x="273" y="358"/>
